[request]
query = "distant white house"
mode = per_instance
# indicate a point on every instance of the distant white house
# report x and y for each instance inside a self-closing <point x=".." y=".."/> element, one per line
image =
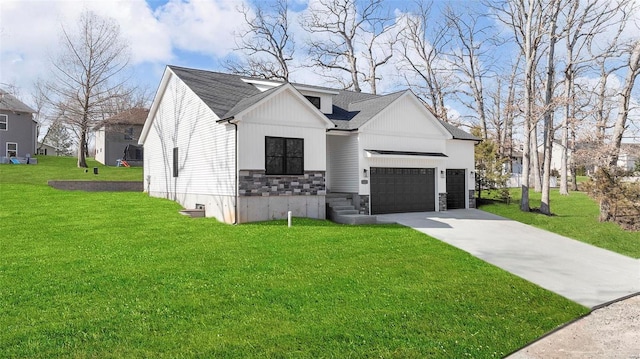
<point x="629" y="155"/>
<point x="248" y="149"/>
<point x="48" y="150"/>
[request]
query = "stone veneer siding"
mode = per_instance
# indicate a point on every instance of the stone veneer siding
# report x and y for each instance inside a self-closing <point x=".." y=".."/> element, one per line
<point x="257" y="183"/>
<point x="442" y="200"/>
<point x="361" y="202"/>
<point x="472" y="198"/>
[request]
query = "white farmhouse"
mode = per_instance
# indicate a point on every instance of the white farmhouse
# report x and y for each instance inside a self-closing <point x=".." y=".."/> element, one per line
<point x="247" y="149"/>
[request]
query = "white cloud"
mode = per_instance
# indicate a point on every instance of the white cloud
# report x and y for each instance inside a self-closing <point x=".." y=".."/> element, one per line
<point x="29" y="33"/>
<point x="202" y="26"/>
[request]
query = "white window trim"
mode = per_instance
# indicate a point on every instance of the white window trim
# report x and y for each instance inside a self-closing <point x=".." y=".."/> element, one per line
<point x="6" y="122"/>
<point x="11" y="143"/>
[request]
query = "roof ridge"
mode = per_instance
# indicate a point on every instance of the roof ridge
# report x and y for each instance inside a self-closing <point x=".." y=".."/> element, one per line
<point x="378" y="97"/>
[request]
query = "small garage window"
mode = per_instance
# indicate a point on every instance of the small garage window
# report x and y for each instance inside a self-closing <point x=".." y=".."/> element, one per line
<point x="284" y="156"/>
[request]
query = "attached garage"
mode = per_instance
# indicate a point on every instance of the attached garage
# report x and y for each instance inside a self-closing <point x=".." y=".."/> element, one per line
<point x="399" y="190"/>
<point x="456" y="189"/>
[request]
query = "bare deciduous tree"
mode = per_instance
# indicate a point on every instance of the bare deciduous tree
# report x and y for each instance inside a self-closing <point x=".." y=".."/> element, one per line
<point x="88" y="73"/>
<point x="266" y="44"/>
<point x="527" y="20"/>
<point x="633" y="70"/>
<point x="589" y="46"/>
<point x="336" y="26"/>
<point x="423" y="44"/>
<point x="471" y="61"/>
<point x="549" y="106"/>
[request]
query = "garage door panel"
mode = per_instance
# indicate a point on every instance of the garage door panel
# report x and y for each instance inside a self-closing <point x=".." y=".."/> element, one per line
<point x="456" y="197"/>
<point x="396" y="190"/>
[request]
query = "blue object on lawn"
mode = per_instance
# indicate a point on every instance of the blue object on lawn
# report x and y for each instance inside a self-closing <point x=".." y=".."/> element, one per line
<point x="14" y="160"/>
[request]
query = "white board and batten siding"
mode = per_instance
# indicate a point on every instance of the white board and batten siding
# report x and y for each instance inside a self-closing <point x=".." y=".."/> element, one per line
<point x="403" y="126"/>
<point x="206" y="153"/>
<point x="460" y="154"/>
<point x="283" y="115"/>
<point x="342" y="163"/>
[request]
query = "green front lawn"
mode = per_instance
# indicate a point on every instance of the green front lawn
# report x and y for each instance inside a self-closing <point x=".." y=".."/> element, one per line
<point x="64" y="168"/>
<point x="124" y="275"/>
<point x="575" y="216"/>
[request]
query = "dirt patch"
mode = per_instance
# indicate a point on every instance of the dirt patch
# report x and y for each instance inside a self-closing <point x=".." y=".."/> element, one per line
<point x="609" y="332"/>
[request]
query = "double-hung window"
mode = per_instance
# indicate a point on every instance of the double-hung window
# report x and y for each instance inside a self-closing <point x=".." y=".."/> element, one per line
<point x="128" y="134"/>
<point x="12" y="149"/>
<point x="4" y="122"/>
<point x="284" y="156"/>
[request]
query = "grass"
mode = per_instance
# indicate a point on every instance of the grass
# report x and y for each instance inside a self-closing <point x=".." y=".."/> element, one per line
<point x="575" y="216"/>
<point x="124" y="275"/>
<point x="64" y="168"/>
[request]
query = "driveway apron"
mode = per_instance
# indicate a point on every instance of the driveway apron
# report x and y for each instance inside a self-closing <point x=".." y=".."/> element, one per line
<point x="581" y="272"/>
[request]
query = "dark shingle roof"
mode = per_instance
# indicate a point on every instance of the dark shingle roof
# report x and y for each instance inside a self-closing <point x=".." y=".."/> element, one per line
<point x="221" y="92"/>
<point x="227" y="95"/>
<point x="457" y="133"/>
<point x="9" y="102"/>
<point x="134" y="116"/>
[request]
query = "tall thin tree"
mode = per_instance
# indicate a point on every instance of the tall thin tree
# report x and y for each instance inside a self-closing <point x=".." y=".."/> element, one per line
<point x="87" y="73"/>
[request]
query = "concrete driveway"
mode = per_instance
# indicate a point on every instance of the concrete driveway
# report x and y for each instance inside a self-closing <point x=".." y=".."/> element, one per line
<point x="581" y="272"/>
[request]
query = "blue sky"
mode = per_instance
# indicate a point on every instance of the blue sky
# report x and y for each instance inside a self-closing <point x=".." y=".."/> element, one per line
<point x="197" y="33"/>
<point x="190" y="33"/>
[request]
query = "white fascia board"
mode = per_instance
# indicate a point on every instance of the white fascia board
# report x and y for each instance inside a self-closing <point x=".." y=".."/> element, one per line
<point x="298" y="95"/>
<point x="262" y="83"/>
<point x="315" y="89"/>
<point x="166" y="77"/>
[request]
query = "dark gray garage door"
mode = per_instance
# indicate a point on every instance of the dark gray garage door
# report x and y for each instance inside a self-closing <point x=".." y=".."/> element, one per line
<point x="398" y="190"/>
<point x="455" y="189"/>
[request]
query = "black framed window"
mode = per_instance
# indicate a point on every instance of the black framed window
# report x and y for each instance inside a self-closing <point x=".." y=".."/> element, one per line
<point x="314" y="101"/>
<point x="284" y="156"/>
<point x="175" y="162"/>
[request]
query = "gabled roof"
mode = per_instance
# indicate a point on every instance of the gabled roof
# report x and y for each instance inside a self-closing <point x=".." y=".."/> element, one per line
<point x="228" y="95"/>
<point x="359" y="112"/>
<point x="133" y="116"/>
<point x="8" y="102"/>
<point x="457" y="133"/>
<point x="221" y="92"/>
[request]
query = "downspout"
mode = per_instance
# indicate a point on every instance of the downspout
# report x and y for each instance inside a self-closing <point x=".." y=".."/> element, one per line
<point x="235" y="209"/>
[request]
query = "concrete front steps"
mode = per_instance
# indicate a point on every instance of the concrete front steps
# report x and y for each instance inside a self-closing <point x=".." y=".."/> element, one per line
<point x="340" y="209"/>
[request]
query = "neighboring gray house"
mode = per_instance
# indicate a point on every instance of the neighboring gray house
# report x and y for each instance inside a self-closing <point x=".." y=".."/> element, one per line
<point x="246" y="149"/>
<point x="18" y="129"/>
<point x="118" y="134"/>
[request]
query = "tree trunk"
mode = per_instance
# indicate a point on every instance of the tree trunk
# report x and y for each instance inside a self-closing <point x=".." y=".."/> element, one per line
<point x="535" y="160"/>
<point x="623" y="103"/>
<point x="82" y="143"/>
<point x="545" y="206"/>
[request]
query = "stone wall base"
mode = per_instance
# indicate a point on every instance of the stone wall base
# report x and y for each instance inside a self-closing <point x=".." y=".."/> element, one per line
<point x="442" y="201"/>
<point x="472" y="198"/>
